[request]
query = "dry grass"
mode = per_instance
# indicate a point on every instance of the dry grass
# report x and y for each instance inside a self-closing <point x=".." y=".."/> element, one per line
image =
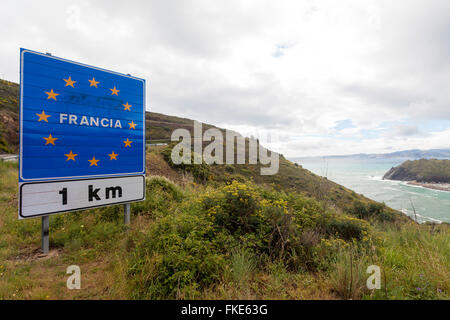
<point x="157" y="166"/>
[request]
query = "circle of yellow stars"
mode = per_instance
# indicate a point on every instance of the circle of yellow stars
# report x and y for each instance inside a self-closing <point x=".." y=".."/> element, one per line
<point x="50" y="140"/>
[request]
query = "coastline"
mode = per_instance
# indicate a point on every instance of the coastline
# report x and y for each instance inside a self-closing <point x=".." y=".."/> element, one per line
<point x="429" y="185"/>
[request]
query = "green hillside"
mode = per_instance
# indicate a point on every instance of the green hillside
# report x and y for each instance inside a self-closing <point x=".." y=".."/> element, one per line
<point x="9" y="117"/>
<point x="423" y="170"/>
<point x="220" y="232"/>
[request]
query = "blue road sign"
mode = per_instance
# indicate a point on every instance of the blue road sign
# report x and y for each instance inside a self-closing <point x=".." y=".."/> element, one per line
<point x="78" y="121"/>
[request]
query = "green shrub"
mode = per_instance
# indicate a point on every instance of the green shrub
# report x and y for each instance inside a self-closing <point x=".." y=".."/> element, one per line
<point x="266" y="221"/>
<point x="161" y="183"/>
<point x="307" y="211"/>
<point x="374" y="210"/>
<point x="161" y="193"/>
<point x="200" y="172"/>
<point x="181" y="254"/>
<point x="346" y="227"/>
<point x="237" y="208"/>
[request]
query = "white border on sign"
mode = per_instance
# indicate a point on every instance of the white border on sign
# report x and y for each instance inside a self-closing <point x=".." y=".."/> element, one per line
<point x="21" y="217"/>
<point x="88" y="66"/>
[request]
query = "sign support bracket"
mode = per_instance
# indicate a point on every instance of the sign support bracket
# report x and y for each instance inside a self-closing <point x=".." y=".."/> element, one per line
<point x="45" y="234"/>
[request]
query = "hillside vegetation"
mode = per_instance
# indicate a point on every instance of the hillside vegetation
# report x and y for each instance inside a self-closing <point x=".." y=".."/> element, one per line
<point x="9" y="117"/>
<point x="223" y="232"/>
<point x="423" y="170"/>
<point x="239" y="240"/>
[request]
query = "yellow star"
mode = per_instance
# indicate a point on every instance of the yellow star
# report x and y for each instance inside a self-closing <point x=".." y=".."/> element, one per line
<point x="69" y="82"/>
<point x="93" y="83"/>
<point x="127" y="143"/>
<point x="127" y="106"/>
<point x="93" y="162"/>
<point x="43" y="116"/>
<point x="132" y="125"/>
<point x="50" y="139"/>
<point x="114" y="91"/>
<point x="51" y="95"/>
<point x="113" y="156"/>
<point x="70" y="156"/>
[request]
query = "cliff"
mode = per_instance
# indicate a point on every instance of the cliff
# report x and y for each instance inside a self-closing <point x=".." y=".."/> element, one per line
<point x="423" y="170"/>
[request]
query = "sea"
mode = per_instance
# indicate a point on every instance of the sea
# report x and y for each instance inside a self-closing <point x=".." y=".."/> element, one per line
<point x="364" y="176"/>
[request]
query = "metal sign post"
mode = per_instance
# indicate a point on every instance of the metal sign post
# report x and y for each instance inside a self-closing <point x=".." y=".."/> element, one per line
<point x="127" y="213"/>
<point x="45" y="233"/>
<point x="82" y="138"/>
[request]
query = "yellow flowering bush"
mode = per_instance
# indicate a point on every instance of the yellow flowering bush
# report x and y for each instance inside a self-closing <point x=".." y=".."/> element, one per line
<point x="260" y="219"/>
<point x="285" y="226"/>
<point x="334" y="243"/>
<point x="235" y="207"/>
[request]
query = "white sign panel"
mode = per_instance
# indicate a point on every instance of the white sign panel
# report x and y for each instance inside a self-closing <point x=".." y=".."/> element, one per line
<point x="42" y="198"/>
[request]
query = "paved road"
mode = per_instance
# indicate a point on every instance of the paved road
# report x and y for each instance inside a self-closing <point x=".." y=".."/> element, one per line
<point x="9" y="157"/>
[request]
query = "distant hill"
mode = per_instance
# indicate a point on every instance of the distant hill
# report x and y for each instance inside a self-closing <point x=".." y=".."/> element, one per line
<point x="417" y="154"/>
<point x="423" y="170"/>
<point x="405" y="154"/>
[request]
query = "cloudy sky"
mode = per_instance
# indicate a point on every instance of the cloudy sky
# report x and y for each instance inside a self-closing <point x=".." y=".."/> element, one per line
<point x="318" y="77"/>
